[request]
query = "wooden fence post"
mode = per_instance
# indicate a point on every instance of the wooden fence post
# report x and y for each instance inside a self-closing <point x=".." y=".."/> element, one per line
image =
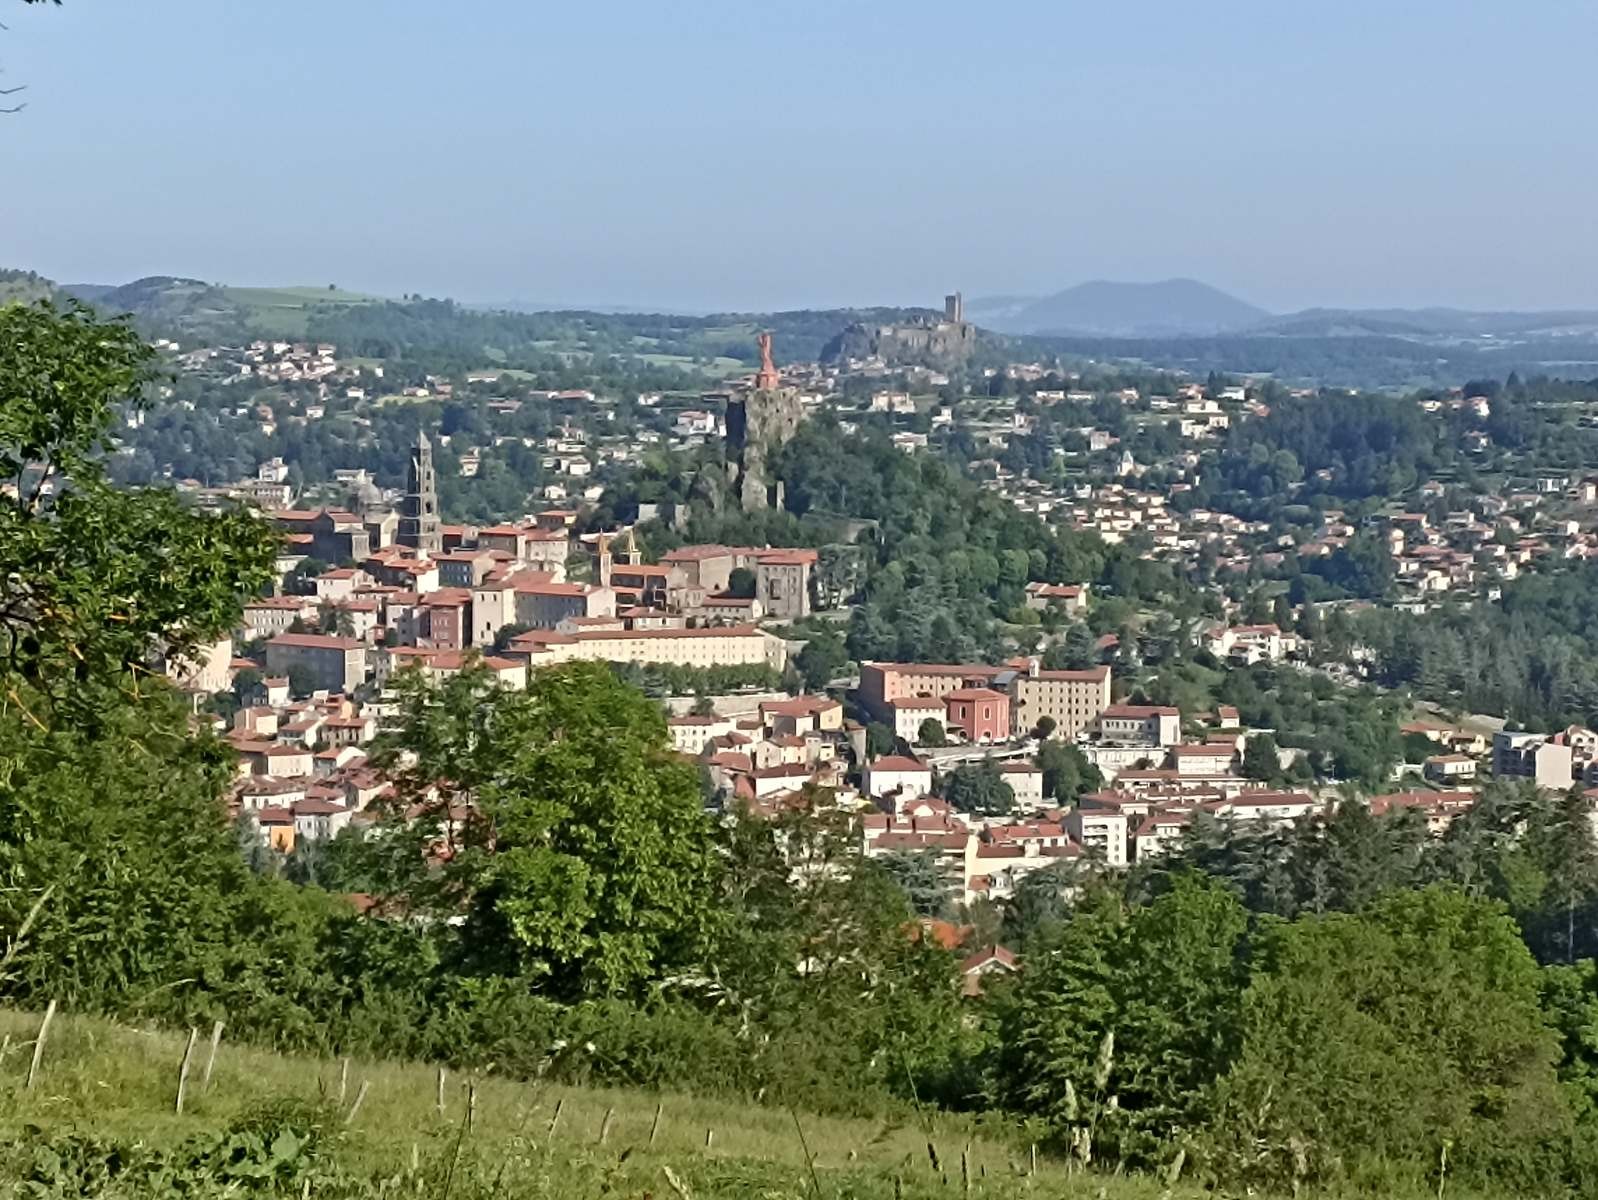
<point x="38" y="1045"/>
<point x="360" y="1097"/>
<point x="210" y="1063"/>
<point x="654" y="1126"/>
<point x="183" y="1069"/>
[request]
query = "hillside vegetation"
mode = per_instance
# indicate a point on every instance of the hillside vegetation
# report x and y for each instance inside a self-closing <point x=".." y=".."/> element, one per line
<point x="100" y="1121"/>
<point x="411" y="327"/>
<point x="24" y="287"/>
<point x="504" y="1137"/>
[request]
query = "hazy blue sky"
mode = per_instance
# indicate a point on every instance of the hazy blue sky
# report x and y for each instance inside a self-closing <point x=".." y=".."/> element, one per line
<point x="702" y="153"/>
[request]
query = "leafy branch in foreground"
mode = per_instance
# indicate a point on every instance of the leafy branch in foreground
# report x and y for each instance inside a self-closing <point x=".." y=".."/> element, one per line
<point x="95" y="580"/>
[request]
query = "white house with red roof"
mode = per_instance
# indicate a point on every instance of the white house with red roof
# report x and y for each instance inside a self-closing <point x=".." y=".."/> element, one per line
<point x="1069" y="597"/>
<point x="897" y="773"/>
<point x="988" y="962"/>
<point x="1141" y="724"/>
<point x="1202" y="760"/>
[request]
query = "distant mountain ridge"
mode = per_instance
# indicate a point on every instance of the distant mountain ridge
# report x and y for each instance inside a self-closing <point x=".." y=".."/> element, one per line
<point x="1430" y="322"/>
<point x="1179" y="324"/>
<point x="1168" y="308"/>
<point x="1187" y="308"/>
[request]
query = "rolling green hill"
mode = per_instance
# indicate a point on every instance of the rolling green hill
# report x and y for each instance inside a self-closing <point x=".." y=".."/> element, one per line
<point x="24" y="286"/>
<point x="446" y="335"/>
<point x="212" y="312"/>
<point x="284" y="312"/>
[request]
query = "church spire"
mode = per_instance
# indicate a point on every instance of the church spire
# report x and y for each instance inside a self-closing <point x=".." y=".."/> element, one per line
<point x="419" y="525"/>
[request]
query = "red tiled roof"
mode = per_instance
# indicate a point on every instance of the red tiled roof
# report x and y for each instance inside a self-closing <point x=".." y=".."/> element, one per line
<point x="973" y="694"/>
<point x="317" y="808"/>
<point x="944" y="933"/>
<point x="989" y="954"/>
<point x="899" y="762"/>
<point x="788" y="558"/>
<point x="696" y="553"/>
<point x="316" y="641"/>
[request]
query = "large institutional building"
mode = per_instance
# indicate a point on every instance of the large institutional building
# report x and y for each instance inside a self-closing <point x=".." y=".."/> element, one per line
<point x="1073" y="700"/>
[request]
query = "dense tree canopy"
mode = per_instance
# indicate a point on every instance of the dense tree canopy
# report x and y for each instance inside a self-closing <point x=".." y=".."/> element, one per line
<point x="578" y="845"/>
<point x="1342" y="445"/>
<point x="1380" y="1037"/>
<point x="97" y="579"/>
<point x="1529" y="658"/>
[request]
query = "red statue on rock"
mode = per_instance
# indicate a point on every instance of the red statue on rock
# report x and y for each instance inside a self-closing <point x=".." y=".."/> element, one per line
<point x="766" y="378"/>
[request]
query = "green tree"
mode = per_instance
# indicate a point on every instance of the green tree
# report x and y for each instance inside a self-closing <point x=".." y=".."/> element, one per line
<point x="1570" y="1000"/>
<point x="1067" y="773"/>
<point x="248" y="685"/>
<point x="1124" y="1018"/>
<point x="335" y="619"/>
<point x="110" y="806"/>
<point x="821" y="951"/>
<point x="1379" y="1036"/>
<point x="119" y="829"/>
<point x="1075" y="651"/>
<point x="741" y="582"/>
<point x="1261" y="759"/>
<point x="880" y="740"/>
<point x="1042" y="899"/>
<point x="1566" y="925"/>
<point x="505" y="634"/>
<point x="301" y="581"/>
<point x="302" y="682"/>
<point x="979" y="788"/>
<point x="581" y="850"/>
<point x="821" y="660"/>
<point x="96" y="577"/>
<point x="923" y="880"/>
<point x="932" y="733"/>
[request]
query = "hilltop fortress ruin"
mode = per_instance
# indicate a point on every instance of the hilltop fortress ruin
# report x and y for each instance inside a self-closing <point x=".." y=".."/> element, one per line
<point x="924" y="342"/>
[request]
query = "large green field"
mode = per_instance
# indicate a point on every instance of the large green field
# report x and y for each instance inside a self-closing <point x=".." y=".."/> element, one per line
<point x="281" y="312"/>
<point x="721" y="366"/>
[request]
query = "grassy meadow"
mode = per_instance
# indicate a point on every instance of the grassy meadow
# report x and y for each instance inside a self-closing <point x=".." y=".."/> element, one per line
<point x="116" y="1085"/>
<point x="281" y="312"/>
<point x="100" y="1120"/>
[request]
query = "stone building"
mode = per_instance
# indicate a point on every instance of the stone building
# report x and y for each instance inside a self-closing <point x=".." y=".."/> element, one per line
<point x="419" y="526"/>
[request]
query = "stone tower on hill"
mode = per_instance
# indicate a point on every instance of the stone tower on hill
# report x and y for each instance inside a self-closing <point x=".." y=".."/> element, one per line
<point x="419" y="527"/>
<point x="757" y="424"/>
<point x="925" y="341"/>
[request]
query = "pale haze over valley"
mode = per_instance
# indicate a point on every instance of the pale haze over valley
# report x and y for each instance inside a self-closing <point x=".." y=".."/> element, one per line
<point x="727" y="156"/>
